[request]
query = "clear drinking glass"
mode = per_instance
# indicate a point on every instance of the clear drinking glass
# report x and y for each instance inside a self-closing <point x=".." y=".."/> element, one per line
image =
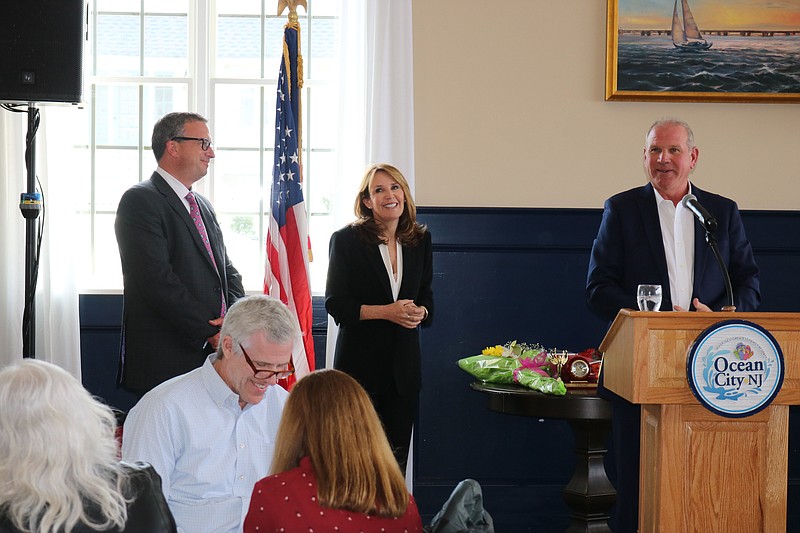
<point x="649" y="297"/>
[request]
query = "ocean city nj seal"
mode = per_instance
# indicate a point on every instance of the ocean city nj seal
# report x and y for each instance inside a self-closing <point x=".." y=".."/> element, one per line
<point x="735" y="368"/>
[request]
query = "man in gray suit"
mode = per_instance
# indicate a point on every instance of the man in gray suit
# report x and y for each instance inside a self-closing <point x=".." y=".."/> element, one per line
<point x="178" y="278"/>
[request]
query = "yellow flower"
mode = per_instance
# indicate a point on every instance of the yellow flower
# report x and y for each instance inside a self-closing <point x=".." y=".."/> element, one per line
<point x="496" y="350"/>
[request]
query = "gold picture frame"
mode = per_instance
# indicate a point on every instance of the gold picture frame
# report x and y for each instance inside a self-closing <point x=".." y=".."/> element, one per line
<point x="730" y="62"/>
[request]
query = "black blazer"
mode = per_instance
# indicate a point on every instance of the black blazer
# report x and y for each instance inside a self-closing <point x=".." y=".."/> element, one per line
<point x="629" y="250"/>
<point x="378" y="353"/>
<point x="172" y="289"/>
<point x="147" y="513"/>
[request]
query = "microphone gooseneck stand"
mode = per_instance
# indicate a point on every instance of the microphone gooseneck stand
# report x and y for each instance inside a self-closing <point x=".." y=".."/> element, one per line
<point x="712" y="242"/>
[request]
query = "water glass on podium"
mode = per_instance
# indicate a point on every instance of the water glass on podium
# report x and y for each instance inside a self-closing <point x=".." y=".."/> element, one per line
<point x="649" y="297"/>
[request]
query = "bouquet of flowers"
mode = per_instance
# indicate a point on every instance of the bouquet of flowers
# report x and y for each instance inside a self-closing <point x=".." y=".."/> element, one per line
<point x="529" y="365"/>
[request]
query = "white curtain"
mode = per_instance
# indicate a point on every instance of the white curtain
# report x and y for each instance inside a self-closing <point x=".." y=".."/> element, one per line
<point x="377" y="123"/>
<point x="56" y="310"/>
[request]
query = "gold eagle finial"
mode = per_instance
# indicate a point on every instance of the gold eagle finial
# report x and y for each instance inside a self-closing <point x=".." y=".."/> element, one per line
<point x="292" y="5"/>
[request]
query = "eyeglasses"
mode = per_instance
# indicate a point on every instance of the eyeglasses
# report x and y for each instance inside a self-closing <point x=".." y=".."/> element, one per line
<point x="264" y="373"/>
<point x="205" y="144"/>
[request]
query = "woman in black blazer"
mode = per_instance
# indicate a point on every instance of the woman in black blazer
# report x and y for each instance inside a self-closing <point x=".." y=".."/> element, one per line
<point x="378" y="292"/>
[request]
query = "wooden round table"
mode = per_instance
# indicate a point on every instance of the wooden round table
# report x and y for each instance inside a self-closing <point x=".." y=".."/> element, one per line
<point x="589" y="494"/>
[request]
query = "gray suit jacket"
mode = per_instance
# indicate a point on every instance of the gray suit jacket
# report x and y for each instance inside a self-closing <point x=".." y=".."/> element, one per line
<point x="172" y="289"/>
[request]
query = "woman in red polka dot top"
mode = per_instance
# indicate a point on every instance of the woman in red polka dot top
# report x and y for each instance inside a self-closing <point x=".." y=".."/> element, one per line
<point x="333" y="469"/>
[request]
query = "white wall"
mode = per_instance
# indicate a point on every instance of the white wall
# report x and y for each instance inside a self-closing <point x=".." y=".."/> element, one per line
<point x="510" y="112"/>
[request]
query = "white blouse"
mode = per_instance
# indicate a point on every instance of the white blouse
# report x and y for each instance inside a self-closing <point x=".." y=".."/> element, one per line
<point x="395" y="280"/>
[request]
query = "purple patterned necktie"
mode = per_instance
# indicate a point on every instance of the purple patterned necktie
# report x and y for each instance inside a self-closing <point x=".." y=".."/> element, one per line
<point x="194" y="212"/>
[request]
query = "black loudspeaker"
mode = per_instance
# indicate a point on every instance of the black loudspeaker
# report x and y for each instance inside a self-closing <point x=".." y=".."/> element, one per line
<point x="41" y="50"/>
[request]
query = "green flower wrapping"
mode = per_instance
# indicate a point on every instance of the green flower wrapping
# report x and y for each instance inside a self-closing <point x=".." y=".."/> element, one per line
<point x="490" y="368"/>
<point x="528" y="366"/>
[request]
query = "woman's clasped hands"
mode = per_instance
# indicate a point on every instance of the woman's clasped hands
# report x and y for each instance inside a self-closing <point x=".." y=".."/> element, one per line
<point x="406" y="313"/>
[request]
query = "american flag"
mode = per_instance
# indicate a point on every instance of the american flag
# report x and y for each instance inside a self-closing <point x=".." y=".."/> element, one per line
<point x="287" y="238"/>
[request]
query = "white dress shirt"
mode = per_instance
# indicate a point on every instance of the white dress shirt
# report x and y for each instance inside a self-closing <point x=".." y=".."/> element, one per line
<point x="208" y="451"/>
<point x="677" y="233"/>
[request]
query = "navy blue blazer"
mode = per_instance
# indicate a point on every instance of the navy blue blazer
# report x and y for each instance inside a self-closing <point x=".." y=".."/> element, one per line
<point x="379" y="354"/>
<point x="629" y="250"/>
<point x="172" y="288"/>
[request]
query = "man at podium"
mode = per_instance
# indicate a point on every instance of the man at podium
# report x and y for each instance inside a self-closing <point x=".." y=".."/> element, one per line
<point x="649" y="235"/>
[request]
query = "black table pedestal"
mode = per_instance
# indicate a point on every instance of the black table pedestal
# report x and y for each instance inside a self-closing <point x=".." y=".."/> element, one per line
<point x="589" y="494"/>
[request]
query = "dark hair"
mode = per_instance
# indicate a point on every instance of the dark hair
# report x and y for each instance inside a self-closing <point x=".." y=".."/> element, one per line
<point x="169" y="126"/>
<point x="409" y="232"/>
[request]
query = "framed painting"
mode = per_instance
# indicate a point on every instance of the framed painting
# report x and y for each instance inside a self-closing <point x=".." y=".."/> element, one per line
<point x="703" y="50"/>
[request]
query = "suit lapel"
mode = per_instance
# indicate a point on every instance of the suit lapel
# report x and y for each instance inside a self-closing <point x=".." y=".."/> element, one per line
<point x="176" y="204"/>
<point x="409" y="262"/>
<point x="702" y="252"/>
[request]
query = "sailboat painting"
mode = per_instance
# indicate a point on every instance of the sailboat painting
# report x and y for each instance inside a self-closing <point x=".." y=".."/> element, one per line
<point x="747" y="50"/>
<point x="685" y="33"/>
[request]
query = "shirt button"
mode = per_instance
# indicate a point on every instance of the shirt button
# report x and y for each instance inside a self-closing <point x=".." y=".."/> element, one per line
<point x="241" y="477"/>
<point x="241" y="445"/>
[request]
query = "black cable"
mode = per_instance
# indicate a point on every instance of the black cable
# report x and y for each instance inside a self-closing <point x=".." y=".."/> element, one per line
<point x="30" y="295"/>
<point x="16" y="108"/>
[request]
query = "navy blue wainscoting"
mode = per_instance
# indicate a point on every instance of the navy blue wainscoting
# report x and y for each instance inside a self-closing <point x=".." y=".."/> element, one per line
<point x="505" y="274"/>
<point x="499" y="275"/>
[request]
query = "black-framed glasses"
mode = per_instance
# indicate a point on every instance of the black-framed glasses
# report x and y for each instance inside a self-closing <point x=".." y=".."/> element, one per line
<point x="205" y="144"/>
<point x="264" y="373"/>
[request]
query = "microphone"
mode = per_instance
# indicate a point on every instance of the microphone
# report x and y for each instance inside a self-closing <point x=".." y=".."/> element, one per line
<point x="710" y="224"/>
<point x="706" y="219"/>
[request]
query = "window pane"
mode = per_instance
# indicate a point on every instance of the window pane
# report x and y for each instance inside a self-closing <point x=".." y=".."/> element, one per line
<point x="107" y="267"/>
<point x="237" y="183"/>
<point x="166" y="6"/>
<point x="320" y="175"/>
<point x="236" y="116"/>
<point x="119" y="6"/>
<point x="117" y="115"/>
<point x="117" y="45"/>
<point x="244" y="248"/>
<point x="323" y="8"/>
<point x="273" y="45"/>
<point x="166" y="46"/>
<point x="116" y="170"/>
<point x="158" y="101"/>
<point x="320" y="229"/>
<point x="238" y="47"/>
<point x="323" y="63"/>
<point x="322" y="104"/>
<point x="240" y="7"/>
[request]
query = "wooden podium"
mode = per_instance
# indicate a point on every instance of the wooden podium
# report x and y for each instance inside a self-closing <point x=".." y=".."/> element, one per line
<point x="699" y="471"/>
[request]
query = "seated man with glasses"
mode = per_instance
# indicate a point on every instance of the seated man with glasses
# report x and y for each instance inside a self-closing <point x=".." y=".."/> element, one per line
<point x="210" y="433"/>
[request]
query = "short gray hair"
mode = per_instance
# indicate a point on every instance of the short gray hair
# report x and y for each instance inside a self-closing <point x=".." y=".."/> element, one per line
<point x="672" y="121"/>
<point x="259" y="313"/>
<point x="169" y="126"/>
